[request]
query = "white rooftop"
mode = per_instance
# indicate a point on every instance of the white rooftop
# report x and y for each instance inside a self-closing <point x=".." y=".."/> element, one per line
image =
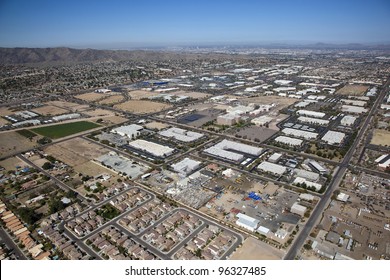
<point x="151" y="147"/>
<point x="181" y="134"/>
<point x="333" y="137"/>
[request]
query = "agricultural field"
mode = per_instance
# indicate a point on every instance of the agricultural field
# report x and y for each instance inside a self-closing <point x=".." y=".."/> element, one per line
<point x="13" y="142"/>
<point x="352" y="90"/>
<point x="50" y="110"/>
<point x="381" y="137"/>
<point x="65" y="129"/>
<point x="142" y="106"/>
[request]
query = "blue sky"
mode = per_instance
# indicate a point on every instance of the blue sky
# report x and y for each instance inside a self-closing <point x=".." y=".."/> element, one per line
<point x="42" y="23"/>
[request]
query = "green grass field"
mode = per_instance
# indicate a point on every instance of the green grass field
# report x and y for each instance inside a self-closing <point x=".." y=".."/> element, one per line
<point x="66" y="129"/>
<point x="26" y="133"/>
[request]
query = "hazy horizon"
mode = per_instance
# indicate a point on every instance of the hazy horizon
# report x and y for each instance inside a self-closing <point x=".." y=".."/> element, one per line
<point x="128" y="24"/>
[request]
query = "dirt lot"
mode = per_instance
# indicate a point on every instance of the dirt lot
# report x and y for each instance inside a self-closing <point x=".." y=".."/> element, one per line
<point x="99" y="113"/>
<point x="253" y="249"/>
<point x="50" y="110"/>
<point x="91" y="96"/>
<point x="352" y="90"/>
<point x="255" y="132"/>
<point x="139" y="94"/>
<point x="191" y="94"/>
<point x="142" y="107"/>
<point x="4" y="112"/>
<point x="74" y="107"/>
<point x="92" y="169"/>
<point x="11" y="142"/>
<point x="75" y="151"/>
<point x="156" y="125"/>
<point x="381" y="137"/>
<point x="11" y="163"/>
<point x="280" y="102"/>
<point x="112" y="100"/>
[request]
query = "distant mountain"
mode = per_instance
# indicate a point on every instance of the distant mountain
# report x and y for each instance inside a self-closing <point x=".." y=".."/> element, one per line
<point x="69" y="55"/>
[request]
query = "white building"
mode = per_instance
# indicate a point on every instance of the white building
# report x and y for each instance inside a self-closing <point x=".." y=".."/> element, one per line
<point x="353" y="109"/>
<point x="312" y="176"/>
<point x="359" y="103"/>
<point x="232" y="150"/>
<point x="275" y="157"/>
<point x="181" y="134"/>
<point x="289" y="141"/>
<point x="186" y="166"/>
<point x="130" y="131"/>
<point x="306" y="196"/>
<point x="343" y="197"/>
<point x="311" y="113"/>
<point x="296" y="208"/>
<point x="262" y="120"/>
<point x="313" y="120"/>
<point x="300" y="133"/>
<point x="300" y="180"/>
<point x="347" y="120"/>
<point x="333" y="137"/>
<point x="273" y="168"/>
<point x="151" y="148"/>
<point x="247" y="222"/>
<point x="66" y="117"/>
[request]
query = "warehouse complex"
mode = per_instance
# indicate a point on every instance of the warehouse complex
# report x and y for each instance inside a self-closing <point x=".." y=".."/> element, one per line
<point x="151" y="148"/>
<point x="181" y="134"/>
<point x="233" y="151"/>
<point x="300" y="133"/>
<point x="333" y="137"/>
<point x="129" y="131"/>
<point x="289" y="141"/>
<point x="272" y="168"/>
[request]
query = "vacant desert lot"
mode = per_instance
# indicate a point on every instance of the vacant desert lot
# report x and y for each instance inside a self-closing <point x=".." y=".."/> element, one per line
<point x="142" y="106"/>
<point x="280" y="102"/>
<point x="112" y="100"/>
<point x="73" y="107"/>
<point x="353" y="90"/>
<point x="381" y="137"/>
<point x="91" y="96"/>
<point x="11" y="142"/>
<point x="50" y="110"/>
<point x="76" y="151"/>
<point x="192" y="94"/>
<point x="139" y="94"/>
<point x="253" y="249"/>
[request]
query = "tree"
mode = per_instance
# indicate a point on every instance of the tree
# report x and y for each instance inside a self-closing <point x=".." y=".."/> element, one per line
<point x="47" y="165"/>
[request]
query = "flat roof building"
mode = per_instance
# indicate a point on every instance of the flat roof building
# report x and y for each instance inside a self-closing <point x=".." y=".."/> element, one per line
<point x="353" y="109"/>
<point x="272" y="168"/>
<point x="152" y="148"/>
<point x="296" y="208"/>
<point x="181" y="134"/>
<point x="289" y="141"/>
<point x="313" y="121"/>
<point x="275" y="157"/>
<point x="311" y="113"/>
<point x="262" y="120"/>
<point x="186" y="166"/>
<point x="312" y="176"/>
<point x="317" y="167"/>
<point x="129" y="131"/>
<point x="347" y="120"/>
<point x="233" y="151"/>
<point x="247" y="222"/>
<point x="333" y="137"/>
<point x="228" y="119"/>
<point x="300" y="133"/>
<point x="300" y="180"/>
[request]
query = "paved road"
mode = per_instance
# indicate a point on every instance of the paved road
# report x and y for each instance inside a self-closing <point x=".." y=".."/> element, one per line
<point x="339" y="174"/>
<point x="7" y="240"/>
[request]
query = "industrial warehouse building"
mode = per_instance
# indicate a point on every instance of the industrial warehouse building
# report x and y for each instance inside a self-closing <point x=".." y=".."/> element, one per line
<point x="333" y="137"/>
<point x="353" y="109"/>
<point x="310" y="114"/>
<point x="272" y="168"/>
<point x="348" y="121"/>
<point x="300" y="133"/>
<point x="289" y="141"/>
<point x="317" y="167"/>
<point x="313" y="121"/>
<point x="312" y="176"/>
<point x="301" y="181"/>
<point x="152" y="148"/>
<point x="130" y="131"/>
<point x="181" y="134"/>
<point x="247" y="222"/>
<point x="225" y="148"/>
<point x="260" y="121"/>
<point x="186" y="166"/>
<point x="66" y="117"/>
<point x="298" y="209"/>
